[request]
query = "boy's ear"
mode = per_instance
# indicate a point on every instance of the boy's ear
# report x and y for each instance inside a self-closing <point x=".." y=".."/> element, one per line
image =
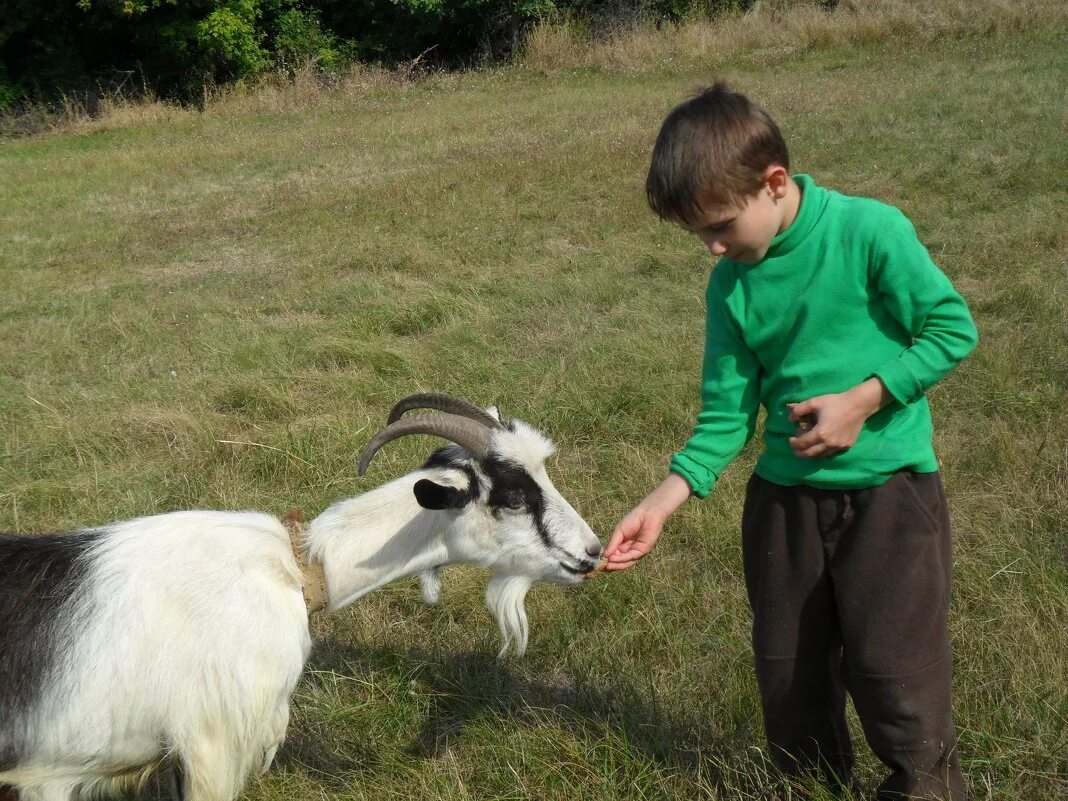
<point x="777" y="179"/>
<point x="431" y="495"/>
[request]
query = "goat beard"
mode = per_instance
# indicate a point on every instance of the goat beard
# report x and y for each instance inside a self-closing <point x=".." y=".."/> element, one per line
<point x="505" y="594"/>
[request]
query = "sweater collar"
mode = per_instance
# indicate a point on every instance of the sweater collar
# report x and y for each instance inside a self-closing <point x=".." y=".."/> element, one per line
<point x="813" y="202"/>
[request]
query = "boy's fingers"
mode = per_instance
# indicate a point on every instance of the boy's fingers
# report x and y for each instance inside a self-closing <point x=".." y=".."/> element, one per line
<point x="623" y="532"/>
<point x="806" y="440"/>
<point x="613" y="543"/>
<point x="626" y="550"/>
<point x="631" y="556"/>
<point x="814" y="451"/>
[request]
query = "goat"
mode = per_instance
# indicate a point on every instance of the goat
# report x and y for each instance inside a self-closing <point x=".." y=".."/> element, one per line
<point x="175" y="641"/>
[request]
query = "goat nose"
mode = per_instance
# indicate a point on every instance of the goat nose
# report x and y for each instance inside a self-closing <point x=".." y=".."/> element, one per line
<point x="594" y="550"/>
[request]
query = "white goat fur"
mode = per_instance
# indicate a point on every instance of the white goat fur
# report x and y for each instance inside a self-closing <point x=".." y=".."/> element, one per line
<point x="191" y="632"/>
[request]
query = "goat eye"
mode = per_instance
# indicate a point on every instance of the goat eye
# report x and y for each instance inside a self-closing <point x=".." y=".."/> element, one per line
<point x="514" y="499"/>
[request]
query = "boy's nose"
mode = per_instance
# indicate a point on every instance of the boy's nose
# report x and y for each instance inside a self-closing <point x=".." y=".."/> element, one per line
<point x="716" y="248"/>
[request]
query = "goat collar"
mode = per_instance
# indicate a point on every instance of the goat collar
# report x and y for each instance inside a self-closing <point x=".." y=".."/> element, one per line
<point x="312" y="577"/>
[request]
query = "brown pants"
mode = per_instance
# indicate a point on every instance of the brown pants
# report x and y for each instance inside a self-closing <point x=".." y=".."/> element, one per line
<point x="850" y="591"/>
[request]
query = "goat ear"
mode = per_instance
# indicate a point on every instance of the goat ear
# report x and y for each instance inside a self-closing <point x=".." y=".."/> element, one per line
<point x="439" y="496"/>
<point x="494" y="411"/>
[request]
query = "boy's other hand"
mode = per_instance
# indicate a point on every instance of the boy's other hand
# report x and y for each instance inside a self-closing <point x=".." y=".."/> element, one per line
<point x="839" y="419"/>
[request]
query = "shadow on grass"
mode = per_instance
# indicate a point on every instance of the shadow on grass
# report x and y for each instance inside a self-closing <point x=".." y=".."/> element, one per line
<point x="469" y="687"/>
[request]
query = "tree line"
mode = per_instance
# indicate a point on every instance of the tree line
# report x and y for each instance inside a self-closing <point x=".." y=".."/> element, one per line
<point x="174" y="48"/>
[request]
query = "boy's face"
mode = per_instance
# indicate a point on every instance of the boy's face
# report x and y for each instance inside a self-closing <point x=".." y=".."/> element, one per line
<point x="744" y="232"/>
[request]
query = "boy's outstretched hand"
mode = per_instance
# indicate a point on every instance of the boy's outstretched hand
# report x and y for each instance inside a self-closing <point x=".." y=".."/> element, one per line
<point x="633" y="538"/>
<point x="637" y="533"/>
<point x="839" y="418"/>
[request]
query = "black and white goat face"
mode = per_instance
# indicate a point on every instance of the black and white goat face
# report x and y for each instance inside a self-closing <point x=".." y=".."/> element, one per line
<point x="506" y="513"/>
<point x="513" y="518"/>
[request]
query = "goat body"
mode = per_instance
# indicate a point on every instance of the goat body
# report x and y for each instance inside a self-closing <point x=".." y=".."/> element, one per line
<point x="181" y="635"/>
<point x="179" y="638"/>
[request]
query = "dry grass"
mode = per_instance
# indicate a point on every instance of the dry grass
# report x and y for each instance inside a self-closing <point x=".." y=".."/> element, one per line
<point x="772" y="31"/>
<point x="272" y="93"/>
<point x="300" y="91"/>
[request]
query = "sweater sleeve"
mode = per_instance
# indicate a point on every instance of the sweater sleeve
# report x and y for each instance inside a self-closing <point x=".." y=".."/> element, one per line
<point x="730" y="397"/>
<point x="923" y="301"/>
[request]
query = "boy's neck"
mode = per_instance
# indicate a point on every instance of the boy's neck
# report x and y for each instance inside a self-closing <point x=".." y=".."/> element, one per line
<point x="791" y="205"/>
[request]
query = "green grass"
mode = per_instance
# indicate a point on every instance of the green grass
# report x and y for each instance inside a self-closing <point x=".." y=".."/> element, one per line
<point x="216" y="311"/>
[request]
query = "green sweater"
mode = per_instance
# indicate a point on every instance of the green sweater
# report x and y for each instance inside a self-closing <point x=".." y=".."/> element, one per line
<point x="845" y="293"/>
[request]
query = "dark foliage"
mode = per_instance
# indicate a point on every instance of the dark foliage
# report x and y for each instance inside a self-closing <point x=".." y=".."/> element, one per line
<point x="174" y="48"/>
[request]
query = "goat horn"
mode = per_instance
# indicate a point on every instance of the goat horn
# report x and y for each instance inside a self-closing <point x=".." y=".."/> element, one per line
<point x="468" y="434"/>
<point x="443" y="403"/>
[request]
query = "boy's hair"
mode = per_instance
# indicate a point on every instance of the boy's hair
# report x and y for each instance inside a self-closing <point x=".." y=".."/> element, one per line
<point x="712" y="149"/>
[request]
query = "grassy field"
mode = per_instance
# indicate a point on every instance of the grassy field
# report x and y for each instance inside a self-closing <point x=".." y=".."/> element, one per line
<point x="217" y="309"/>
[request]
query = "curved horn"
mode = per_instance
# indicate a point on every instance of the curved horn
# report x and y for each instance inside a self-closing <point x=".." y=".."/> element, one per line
<point x="443" y="403"/>
<point x="466" y="433"/>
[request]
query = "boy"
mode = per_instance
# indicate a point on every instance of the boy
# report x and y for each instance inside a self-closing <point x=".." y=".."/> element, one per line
<point x="828" y="311"/>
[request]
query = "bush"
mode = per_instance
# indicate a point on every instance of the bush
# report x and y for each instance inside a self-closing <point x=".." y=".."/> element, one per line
<point x="9" y="92"/>
<point x="300" y="39"/>
<point x="229" y="41"/>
